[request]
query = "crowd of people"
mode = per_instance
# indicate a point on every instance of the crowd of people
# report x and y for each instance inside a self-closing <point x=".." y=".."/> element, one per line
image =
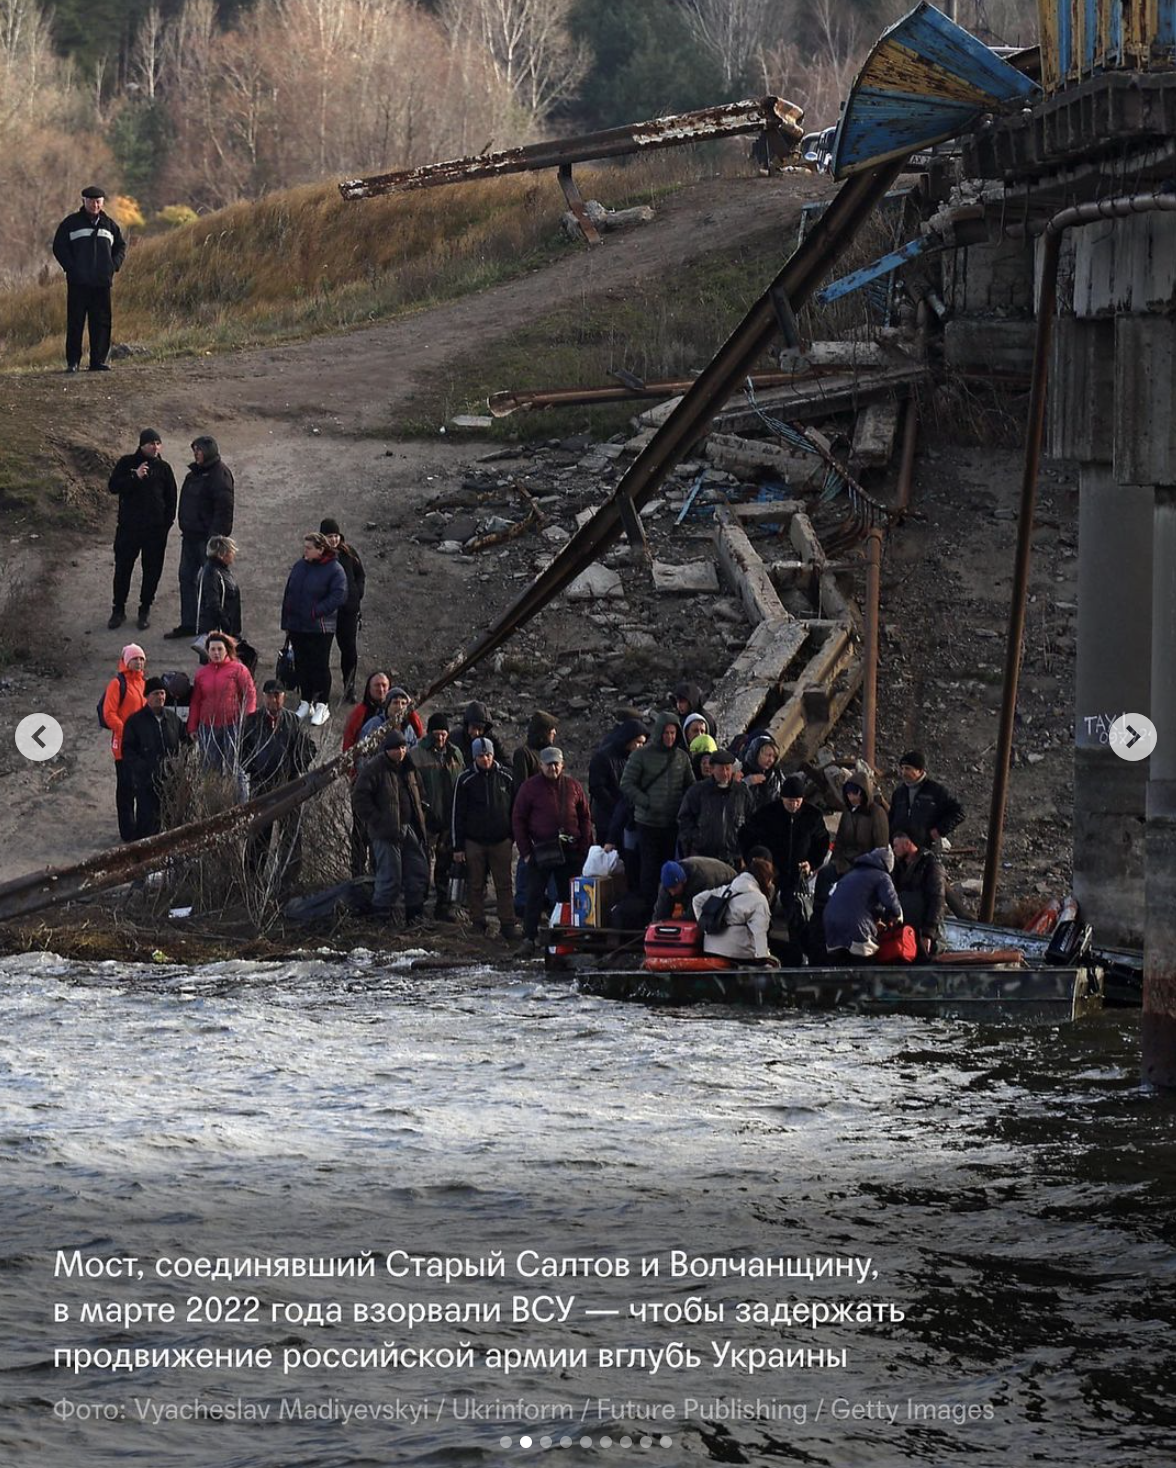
<point x="440" y="807"/>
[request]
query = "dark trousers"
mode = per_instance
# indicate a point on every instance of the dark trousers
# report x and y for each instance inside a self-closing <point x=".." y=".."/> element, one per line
<point x="346" y="633"/>
<point x="129" y="545"/>
<point x="312" y="664"/>
<point x="148" y="819"/>
<point x="494" y="861"/>
<point x="441" y="867"/>
<point x="125" y="801"/>
<point x="361" y="849"/>
<point x="192" y="553"/>
<point x="537" y="881"/>
<point x="87" y="304"/>
<point x="656" y="845"/>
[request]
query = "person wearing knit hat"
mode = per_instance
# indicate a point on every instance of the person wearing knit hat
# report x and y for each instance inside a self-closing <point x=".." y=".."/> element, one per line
<point x="438" y="762"/>
<point x="920" y="806"/>
<point x="146" y="490"/>
<point x="681" y="881"/>
<point x="151" y="740"/>
<point x="124" y="696"/>
<point x="387" y="797"/>
<point x="347" y="619"/>
<point x="480" y="835"/>
<point x="794" y="831"/>
<point x="90" y="249"/>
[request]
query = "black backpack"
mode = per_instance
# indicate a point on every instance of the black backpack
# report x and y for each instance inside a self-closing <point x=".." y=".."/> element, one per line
<point x="713" y="916"/>
<point x="122" y="693"/>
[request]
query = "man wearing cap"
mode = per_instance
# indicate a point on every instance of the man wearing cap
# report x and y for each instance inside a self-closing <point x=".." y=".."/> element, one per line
<point x="921" y="884"/>
<point x="920" y="806"/>
<point x="438" y="762"/>
<point x="553" y="831"/>
<point x="481" y="832"/>
<point x="205" y="509"/>
<point x="150" y="738"/>
<point x="387" y="798"/>
<point x="90" y="248"/>
<point x="275" y="748"/>
<point x="682" y="881"/>
<point x="713" y="811"/>
<point x="146" y="489"/>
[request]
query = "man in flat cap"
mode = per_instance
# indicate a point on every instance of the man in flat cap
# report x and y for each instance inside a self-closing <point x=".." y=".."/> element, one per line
<point x="89" y="247"/>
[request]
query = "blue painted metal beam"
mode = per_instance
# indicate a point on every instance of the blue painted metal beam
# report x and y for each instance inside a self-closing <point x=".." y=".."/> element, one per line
<point x="882" y="266"/>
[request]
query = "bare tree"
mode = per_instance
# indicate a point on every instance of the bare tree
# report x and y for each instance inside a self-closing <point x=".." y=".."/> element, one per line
<point x="528" y="45"/>
<point x="735" y="32"/>
<point x="146" y="66"/>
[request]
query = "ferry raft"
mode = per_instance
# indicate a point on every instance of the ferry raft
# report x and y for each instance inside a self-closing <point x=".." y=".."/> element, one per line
<point x="999" y="987"/>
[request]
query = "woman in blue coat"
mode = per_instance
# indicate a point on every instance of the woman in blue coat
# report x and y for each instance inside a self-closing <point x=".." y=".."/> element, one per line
<point x="315" y="590"/>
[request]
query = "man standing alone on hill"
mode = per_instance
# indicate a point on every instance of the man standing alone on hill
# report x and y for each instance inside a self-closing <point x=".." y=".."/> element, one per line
<point x="146" y="489"/>
<point x="89" y="247"/>
<point x="206" y="509"/>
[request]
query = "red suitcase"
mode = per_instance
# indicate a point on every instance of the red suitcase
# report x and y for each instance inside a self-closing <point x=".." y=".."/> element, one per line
<point x="673" y="939"/>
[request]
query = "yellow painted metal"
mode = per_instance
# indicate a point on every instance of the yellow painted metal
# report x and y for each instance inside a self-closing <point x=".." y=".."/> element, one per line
<point x="1047" y="22"/>
<point x="896" y="68"/>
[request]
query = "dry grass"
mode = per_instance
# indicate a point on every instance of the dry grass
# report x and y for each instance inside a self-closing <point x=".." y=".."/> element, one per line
<point x="306" y="261"/>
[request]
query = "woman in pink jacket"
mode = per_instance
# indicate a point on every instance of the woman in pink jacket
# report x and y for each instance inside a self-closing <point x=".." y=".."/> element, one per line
<point x="222" y="695"/>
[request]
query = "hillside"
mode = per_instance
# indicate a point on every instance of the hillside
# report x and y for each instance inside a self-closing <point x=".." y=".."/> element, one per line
<point x="310" y="429"/>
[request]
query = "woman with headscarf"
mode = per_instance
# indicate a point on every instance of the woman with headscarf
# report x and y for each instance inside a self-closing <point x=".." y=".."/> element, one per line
<point x="348" y="616"/>
<point x="864" y="826"/>
<point x="315" y="590"/>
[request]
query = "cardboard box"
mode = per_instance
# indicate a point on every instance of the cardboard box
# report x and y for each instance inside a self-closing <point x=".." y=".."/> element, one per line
<point x="592" y="900"/>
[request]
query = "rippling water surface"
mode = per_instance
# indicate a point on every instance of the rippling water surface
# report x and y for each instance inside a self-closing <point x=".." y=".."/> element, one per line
<point x="1015" y="1190"/>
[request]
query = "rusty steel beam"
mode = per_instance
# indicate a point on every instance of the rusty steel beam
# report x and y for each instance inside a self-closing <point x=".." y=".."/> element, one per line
<point x="503" y="404"/>
<point x="773" y="114"/>
<point x="822" y="247"/>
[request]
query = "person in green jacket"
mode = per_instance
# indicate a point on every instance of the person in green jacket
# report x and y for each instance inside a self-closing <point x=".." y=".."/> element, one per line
<point x="654" y="780"/>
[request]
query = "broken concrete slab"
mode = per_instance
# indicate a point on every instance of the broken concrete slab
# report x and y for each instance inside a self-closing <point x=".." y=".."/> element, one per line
<point x="596" y="583"/>
<point x="874" y="434"/>
<point x="745" y="572"/>
<point x="757" y="674"/>
<point x="654" y="417"/>
<point x="694" y="576"/>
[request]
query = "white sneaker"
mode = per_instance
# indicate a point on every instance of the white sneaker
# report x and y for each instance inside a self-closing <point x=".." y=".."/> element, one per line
<point x="319" y="713"/>
<point x="302" y="710"/>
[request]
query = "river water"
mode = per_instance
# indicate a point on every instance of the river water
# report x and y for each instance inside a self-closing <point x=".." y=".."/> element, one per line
<point x="1013" y="1190"/>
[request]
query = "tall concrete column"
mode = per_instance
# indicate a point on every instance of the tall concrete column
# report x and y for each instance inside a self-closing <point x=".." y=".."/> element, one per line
<point x="1158" y="1031"/>
<point x="1113" y="677"/>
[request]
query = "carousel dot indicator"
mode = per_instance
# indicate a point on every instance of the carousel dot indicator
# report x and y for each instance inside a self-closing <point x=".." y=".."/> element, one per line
<point x="585" y="1442"/>
<point x="544" y="1442"/>
<point x="524" y="1442"/>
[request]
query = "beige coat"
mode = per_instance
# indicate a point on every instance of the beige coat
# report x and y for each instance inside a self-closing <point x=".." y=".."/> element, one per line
<point x="748" y="920"/>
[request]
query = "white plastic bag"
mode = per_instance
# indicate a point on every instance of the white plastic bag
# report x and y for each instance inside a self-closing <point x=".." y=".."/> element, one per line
<point x="601" y="863"/>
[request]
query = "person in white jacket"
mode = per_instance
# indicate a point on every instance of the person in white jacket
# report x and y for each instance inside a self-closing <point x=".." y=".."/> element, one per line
<point x="749" y="916"/>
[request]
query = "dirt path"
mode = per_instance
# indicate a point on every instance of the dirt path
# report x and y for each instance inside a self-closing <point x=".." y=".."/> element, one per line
<point x="298" y="425"/>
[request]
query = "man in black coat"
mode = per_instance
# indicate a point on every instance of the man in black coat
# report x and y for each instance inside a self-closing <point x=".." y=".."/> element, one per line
<point x="921" y="884"/>
<point x="920" y="806"/>
<point x="481" y="835"/>
<point x="146" y="489"/>
<point x="150" y="738"/>
<point x="275" y="748"/>
<point x="713" y="811"/>
<point x="793" y="831"/>
<point x="90" y="248"/>
<point x="206" y="509"/>
<point x="388" y="799"/>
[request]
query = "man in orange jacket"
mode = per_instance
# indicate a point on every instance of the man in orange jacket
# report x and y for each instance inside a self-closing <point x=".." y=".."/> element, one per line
<point x="124" y="696"/>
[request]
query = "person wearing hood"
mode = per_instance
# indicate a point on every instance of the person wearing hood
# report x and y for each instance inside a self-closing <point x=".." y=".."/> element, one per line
<point x="218" y="597"/>
<point x="860" y="900"/>
<point x="347" y="619"/>
<point x="90" y="248"/>
<point x="654" y="780"/>
<point x="688" y="700"/>
<point x="713" y="812"/>
<point x="864" y="826"/>
<point x="124" y="697"/>
<point x="475" y="724"/>
<point x="438" y="764"/>
<point x="206" y="509"/>
<point x="146" y="489"/>
<point x="151" y="738"/>
<point x="920" y="806"/>
<point x="542" y="733"/>
<point x="921" y="885"/>
<point x="763" y="773"/>
<point x="605" y="768"/>
<point x="744" y="936"/>
<point x="387" y="798"/>
<point x="793" y="831"/>
<point x="315" y="590"/>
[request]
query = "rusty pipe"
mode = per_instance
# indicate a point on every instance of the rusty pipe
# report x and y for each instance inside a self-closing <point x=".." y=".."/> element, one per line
<point x="873" y="637"/>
